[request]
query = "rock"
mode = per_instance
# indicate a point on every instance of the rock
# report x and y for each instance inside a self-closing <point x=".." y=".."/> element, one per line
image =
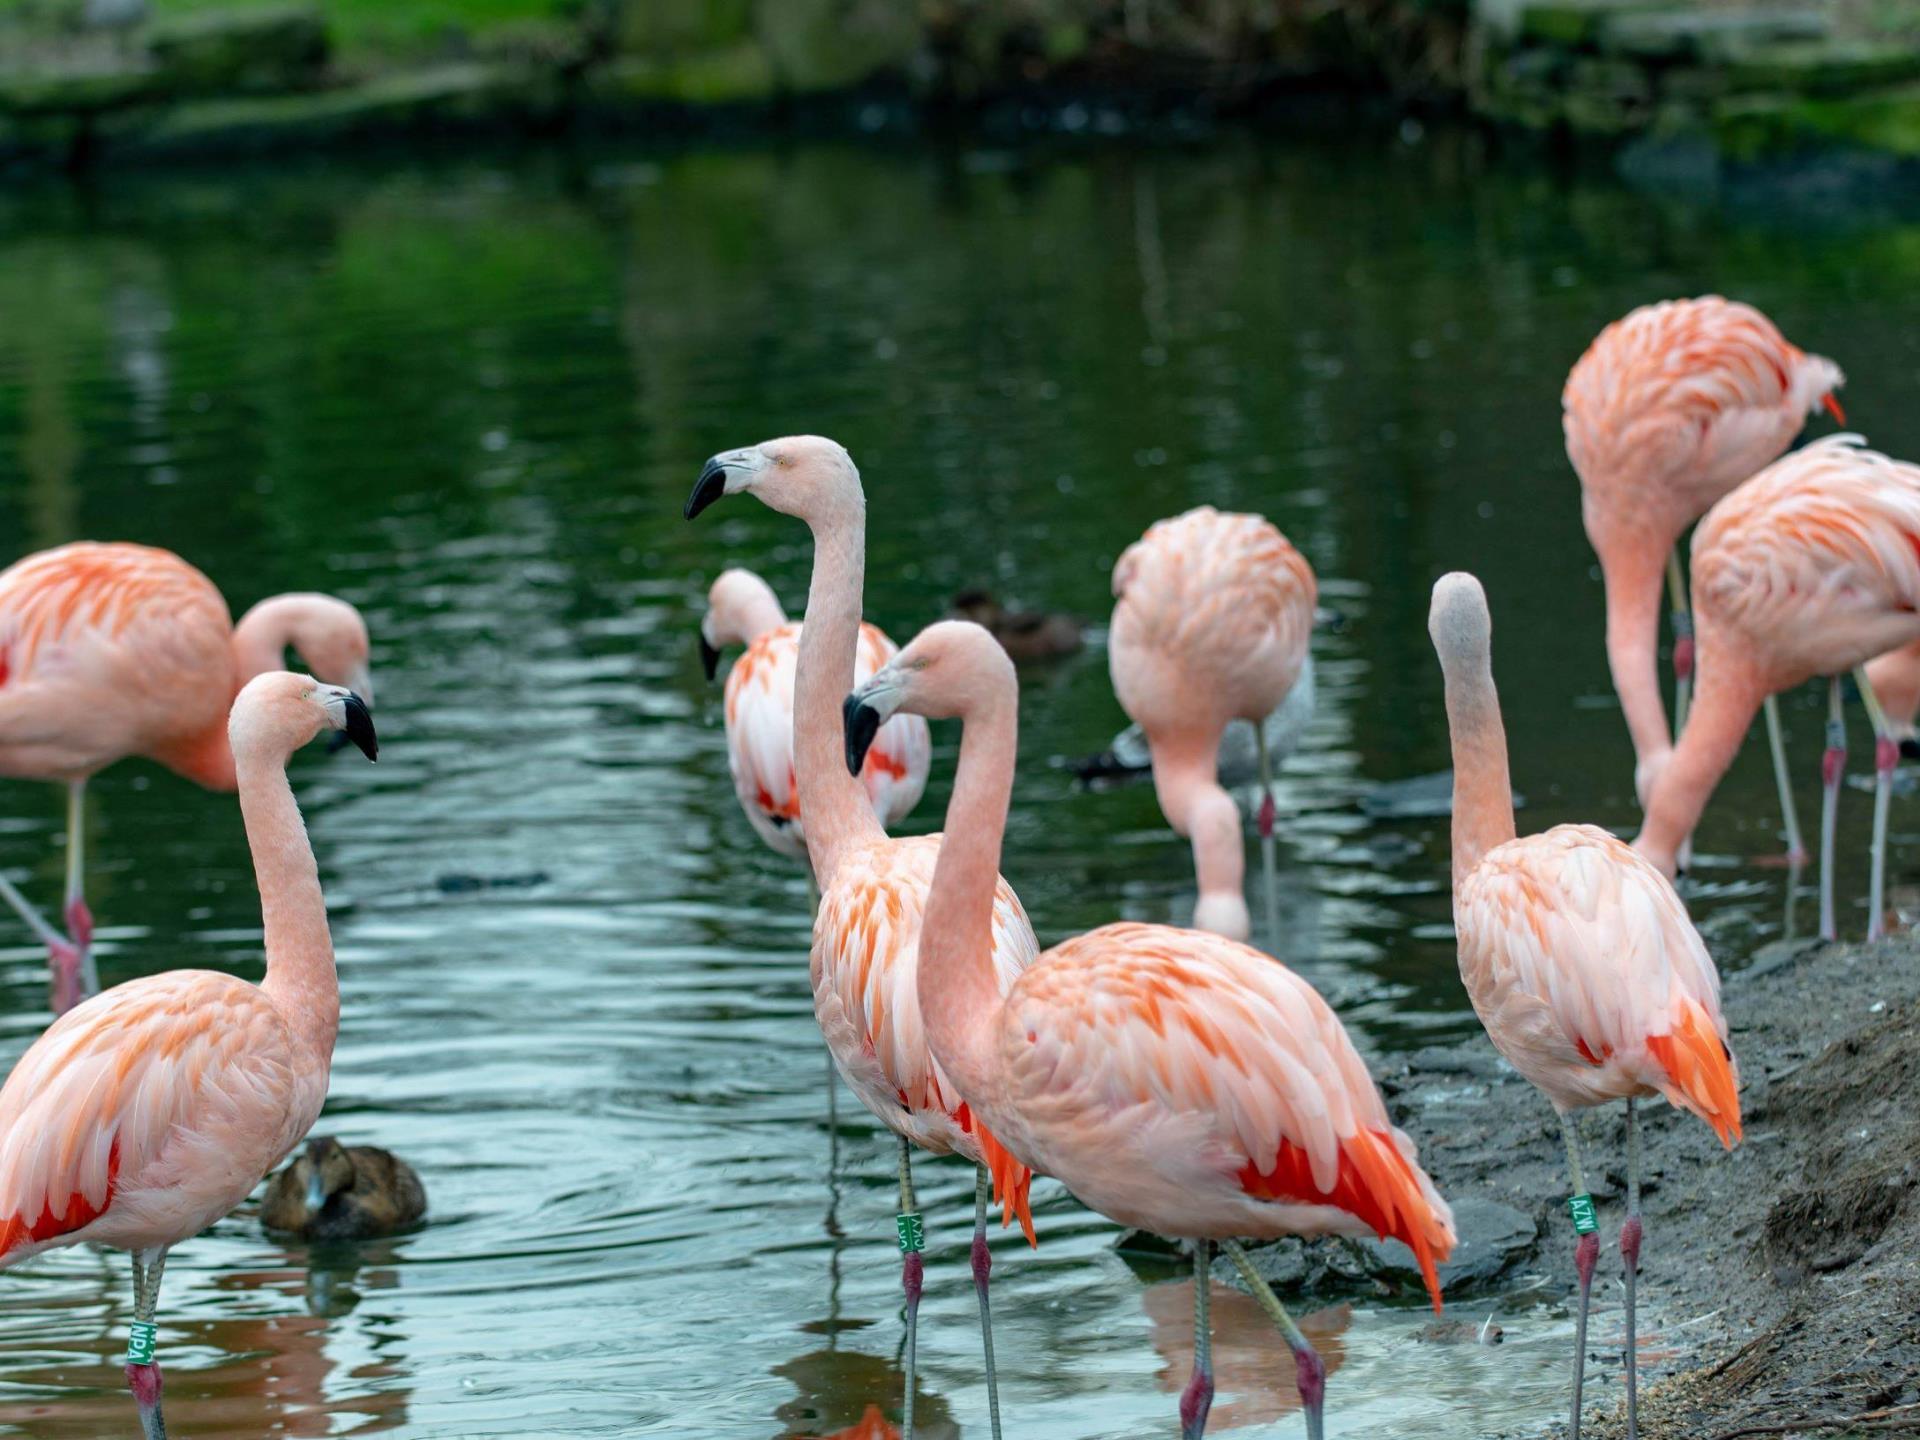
<point x="1493" y="1237"/>
<point x="1752" y="127"/>
<point x="52" y="90"/>
<point x="1817" y="68"/>
<point x="1706" y="35"/>
<point x="240" y="52"/>
<point x="1573" y="23"/>
<point x="820" y="45"/>
<point x="1461" y="1332"/>
<point x="1145" y="1245"/>
<point x="1289" y="1265"/>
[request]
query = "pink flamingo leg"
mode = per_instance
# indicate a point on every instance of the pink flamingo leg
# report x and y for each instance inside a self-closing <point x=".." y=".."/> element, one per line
<point x="1309" y="1370"/>
<point x="143" y="1377"/>
<point x="1833" y="765"/>
<point x="982" y="1268"/>
<point x="1269" y="873"/>
<point x="1586" y="1254"/>
<point x="912" y="1275"/>
<point x="1197" y="1399"/>
<point x="1789" y="812"/>
<point x="79" y="917"/>
<point x="1886" y="755"/>
<point x="63" y="959"/>
<point x="1630" y="1237"/>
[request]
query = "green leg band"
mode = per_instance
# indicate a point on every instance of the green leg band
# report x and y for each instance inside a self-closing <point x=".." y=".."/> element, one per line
<point x="141" y="1335"/>
<point x="1585" y="1222"/>
<point x="913" y="1232"/>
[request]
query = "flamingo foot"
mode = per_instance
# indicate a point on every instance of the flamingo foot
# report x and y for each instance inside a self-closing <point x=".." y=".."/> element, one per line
<point x="79" y="923"/>
<point x="1195" y="1401"/>
<point x="144" y="1381"/>
<point x="68" y="988"/>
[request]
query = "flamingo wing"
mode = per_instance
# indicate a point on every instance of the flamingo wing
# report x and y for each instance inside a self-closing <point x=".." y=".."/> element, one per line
<point x="114" y="1088"/>
<point x="759" y="720"/>
<point x="1590" y="978"/>
<point x="1207" y="1032"/>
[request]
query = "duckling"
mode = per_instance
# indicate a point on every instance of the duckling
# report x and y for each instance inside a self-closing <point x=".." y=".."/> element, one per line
<point x="1024" y="634"/>
<point x="343" y="1192"/>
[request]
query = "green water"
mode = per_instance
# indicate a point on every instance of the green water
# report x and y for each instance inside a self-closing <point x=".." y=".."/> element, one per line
<point x="471" y="396"/>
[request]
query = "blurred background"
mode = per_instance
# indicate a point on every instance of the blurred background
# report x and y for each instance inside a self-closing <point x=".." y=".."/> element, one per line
<point x="440" y="306"/>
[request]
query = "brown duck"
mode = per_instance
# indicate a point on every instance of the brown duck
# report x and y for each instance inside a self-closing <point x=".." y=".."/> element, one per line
<point x="1025" y="635"/>
<point x="343" y="1192"/>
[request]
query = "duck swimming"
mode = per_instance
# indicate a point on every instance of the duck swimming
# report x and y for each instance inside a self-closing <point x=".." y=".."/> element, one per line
<point x="343" y="1192"/>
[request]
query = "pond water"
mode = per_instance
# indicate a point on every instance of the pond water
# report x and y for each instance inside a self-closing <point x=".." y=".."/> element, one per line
<point x="471" y="395"/>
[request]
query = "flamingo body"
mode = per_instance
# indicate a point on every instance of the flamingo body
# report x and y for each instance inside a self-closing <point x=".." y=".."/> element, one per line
<point x="1211" y="621"/>
<point x="108" y="651"/>
<point x="1189" y="1085"/>
<point x="759" y="722"/>
<point x="1589" y="977"/>
<point x="866" y="956"/>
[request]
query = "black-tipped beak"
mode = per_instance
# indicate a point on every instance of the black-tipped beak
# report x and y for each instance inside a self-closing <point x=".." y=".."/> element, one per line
<point x="360" y="727"/>
<point x="863" y="723"/>
<point x="709" y="658"/>
<point x="711" y="485"/>
<point x="1910" y="748"/>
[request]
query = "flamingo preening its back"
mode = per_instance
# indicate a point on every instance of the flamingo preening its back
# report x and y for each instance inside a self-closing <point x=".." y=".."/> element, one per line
<point x="109" y="651"/>
<point x="145" y="1114"/>
<point x="1668" y="410"/>
<point x="1212" y="615"/>
<point x="1577" y="954"/>
<point x="868" y="933"/>
<point x="758" y="708"/>
<point x="1810" y="568"/>
<point x="1174" y="1080"/>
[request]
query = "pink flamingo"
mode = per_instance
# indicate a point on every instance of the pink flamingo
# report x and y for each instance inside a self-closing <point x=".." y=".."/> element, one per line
<point x="873" y="890"/>
<point x="742" y="610"/>
<point x="1895" y="680"/>
<point x="1810" y="568"/>
<point x="1172" y="1079"/>
<point x="1211" y="620"/>
<point x="1577" y="954"/>
<point x="145" y="1114"/>
<point x="108" y="651"/>
<point x="1669" y="409"/>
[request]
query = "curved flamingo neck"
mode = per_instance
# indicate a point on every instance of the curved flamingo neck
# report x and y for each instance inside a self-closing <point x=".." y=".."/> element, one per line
<point x="832" y="802"/>
<point x="1731" y="691"/>
<point x="261" y="638"/>
<point x="1482" y="785"/>
<point x="1635" y="572"/>
<point x="1185" y="779"/>
<point x="300" y="976"/>
<point x="760" y="613"/>
<point x="959" y="994"/>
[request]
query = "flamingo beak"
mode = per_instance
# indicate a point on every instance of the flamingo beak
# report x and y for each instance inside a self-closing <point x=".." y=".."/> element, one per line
<point x="863" y="723"/>
<point x="711" y="485"/>
<point x="1833" y="408"/>
<point x="359" y="727"/>
<point x="709" y="657"/>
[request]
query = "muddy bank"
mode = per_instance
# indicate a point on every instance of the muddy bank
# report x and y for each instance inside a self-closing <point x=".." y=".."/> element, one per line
<point x="1780" y="1284"/>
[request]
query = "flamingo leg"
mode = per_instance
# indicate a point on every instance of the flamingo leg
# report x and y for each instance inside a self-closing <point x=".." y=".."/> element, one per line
<point x="1833" y="765"/>
<point x="912" y="1275"/>
<point x="1309" y="1370"/>
<point x="63" y="959"/>
<point x="79" y="917"/>
<point x="1630" y="1236"/>
<point x="143" y="1372"/>
<point x="1682" y="668"/>
<point x="1586" y="1252"/>
<point x="982" y="1268"/>
<point x="1268" y="865"/>
<point x="1789" y="812"/>
<point x="1197" y="1399"/>
<point x="1886" y="755"/>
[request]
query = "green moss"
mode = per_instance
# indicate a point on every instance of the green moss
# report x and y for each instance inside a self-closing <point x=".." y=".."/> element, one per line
<point x="738" y="75"/>
<point x="1817" y="68"/>
<point x="1751" y="127"/>
<point x="383" y="30"/>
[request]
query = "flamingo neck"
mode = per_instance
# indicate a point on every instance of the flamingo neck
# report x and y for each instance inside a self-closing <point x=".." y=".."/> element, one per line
<point x="832" y="802"/>
<point x="959" y="994"/>
<point x="1731" y="690"/>
<point x="1482" y="786"/>
<point x="300" y="975"/>
<point x="759" y="613"/>
<point x="1185" y="780"/>
<point x="1635" y="573"/>
<point x="261" y="638"/>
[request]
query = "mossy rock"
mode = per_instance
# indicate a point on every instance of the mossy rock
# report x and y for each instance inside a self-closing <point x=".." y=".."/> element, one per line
<point x="1574" y="24"/>
<point x="741" y="74"/>
<point x="52" y="91"/>
<point x="1706" y="34"/>
<point x="240" y="52"/>
<point x="1753" y="127"/>
<point x="1831" y="68"/>
<point x="820" y="45"/>
<point x="665" y="28"/>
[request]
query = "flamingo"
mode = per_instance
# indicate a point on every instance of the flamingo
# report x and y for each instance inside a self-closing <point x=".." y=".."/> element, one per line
<point x="1174" y="1080"/>
<point x="1577" y="955"/>
<point x="868" y="930"/>
<point x="1895" y="680"/>
<point x="1810" y="568"/>
<point x="112" y="650"/>
<point x="1211" y="618"/>
<point x="742" y="610"/>
<point x="143" y="1115"/>
<point x="1669" y="409"/>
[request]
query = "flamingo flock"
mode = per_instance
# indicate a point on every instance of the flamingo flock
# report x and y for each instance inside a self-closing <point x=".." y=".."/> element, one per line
<point x="1172" y="1078"/>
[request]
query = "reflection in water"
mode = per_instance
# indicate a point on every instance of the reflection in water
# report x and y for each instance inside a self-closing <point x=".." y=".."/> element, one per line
<point x="845" y="1395"/>
<point x="1252" y="1367"/>
<point x="469" y="395"/>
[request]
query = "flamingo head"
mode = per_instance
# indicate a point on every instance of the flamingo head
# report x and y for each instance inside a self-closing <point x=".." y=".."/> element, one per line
<point x="800" y="475"/>
<point x="741" y="607"/>
<point x="945" y="671"/>
<point x="279" y="712"/>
